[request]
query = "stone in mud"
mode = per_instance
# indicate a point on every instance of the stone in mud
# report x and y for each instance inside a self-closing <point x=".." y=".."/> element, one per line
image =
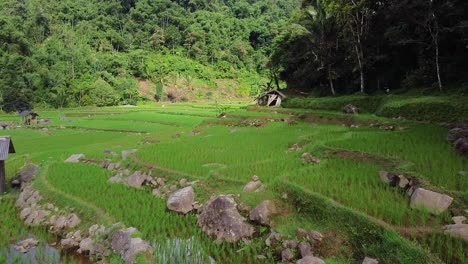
<point x="95" y="230"/>
<point x="181" y="201"/>
<point x="221" y="220"/>
<point x="128" y="247"/>
<point x="434" y="202"/>
<point x="29" y="173"/>
<point x="86" y="246"/>
<point x="68" y="243"/>
<point x="75" y="158"/>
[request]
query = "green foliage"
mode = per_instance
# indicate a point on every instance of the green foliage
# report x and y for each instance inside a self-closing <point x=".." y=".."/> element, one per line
<point x="103" y="94"/>
<point x="433" y="109"/>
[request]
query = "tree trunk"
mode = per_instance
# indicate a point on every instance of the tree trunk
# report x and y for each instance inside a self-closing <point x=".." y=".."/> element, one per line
<point x="330" y="80"/>
<point x="2" y="177"/>
<point x="439" y="79"/>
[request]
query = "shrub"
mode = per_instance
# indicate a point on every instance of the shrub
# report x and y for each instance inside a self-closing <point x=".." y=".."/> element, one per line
<point x="103" y="94"/>
<point x="368" y="104"/>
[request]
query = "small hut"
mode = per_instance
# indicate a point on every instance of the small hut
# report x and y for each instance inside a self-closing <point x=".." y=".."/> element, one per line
<point x="24" y="114"/>
<point x="271" y="98"/>
<point x="6" y="147"/>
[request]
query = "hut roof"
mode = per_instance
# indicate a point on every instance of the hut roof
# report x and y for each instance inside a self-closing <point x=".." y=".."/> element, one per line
<point x="6" y="147"/>
<point x="273" y="91"/>
<point x="24" y="113"/>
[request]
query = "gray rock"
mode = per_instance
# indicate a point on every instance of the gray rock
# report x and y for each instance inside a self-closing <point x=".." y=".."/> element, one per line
<point x="457" y="230"/>
<point x="368" y="260"/>
<point x="25" y="213"/>
<point x="305" y="249"/>
<point x="136" y="179"/>
<point x="29" y="173"/>
<point x="106" y="163"/>
<point x="459" y="219"/>
<point x="86" y="246"/>
<point x="37" y="217"/>
<point x="25" y="245"/>
<point x="461" y="146"/>
<point x="309" y="158"/>
<point x="96" y="230"/>
<point x="181" y="201"/>
<point x="314" y="236"/>
<point x="116" y="178"/>
<point x="263" y="213"/>
<point x="286" y="255"/>
<point x="68" y="243"/>
<point x="128" y="247"/>
<point x="183" y="183"/>
<point x="75" y="158"/>
<point x="126" y="153"/>
<point x="457" y="133"/>
<point x="434" y="202"/>
<point x="157" y="193"/>
<point x="310" y="260"/>
<point x="351" y="109"/>
<point x="403" y="181"/>
<point x="221" y="220"/>
<point x="65" y="222"/>
<point x="252" y="186"/>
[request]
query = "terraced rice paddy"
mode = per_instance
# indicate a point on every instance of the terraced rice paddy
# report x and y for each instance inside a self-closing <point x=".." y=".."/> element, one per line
<point x="342" y="196"/>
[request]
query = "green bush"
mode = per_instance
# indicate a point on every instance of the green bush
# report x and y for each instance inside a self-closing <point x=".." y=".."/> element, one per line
<point x="421" y="108"/>
<point x="103" y="94"/>
<point x="368" y="104"/>
<point x="435" y="109"/>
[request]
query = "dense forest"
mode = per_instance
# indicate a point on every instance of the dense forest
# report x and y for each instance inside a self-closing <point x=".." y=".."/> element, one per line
<point x="348" y="46"/>
<point x="79" y="52"/>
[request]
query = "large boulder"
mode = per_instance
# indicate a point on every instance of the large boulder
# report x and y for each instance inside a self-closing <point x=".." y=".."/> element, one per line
<point x="181" y="201"/>
<point x="457" y="230"/>
<point x="461" y="146"/>
<point x="136" y="179"/>
<point x="127" y="246"/>
<point x="221" y="220"/>
<point x="351" y="109"/>
<point x="456" y="133"/>
<point x="434" y="202"/>
<point x="75" y="158"/>
<point x="310" y="260"/>
<point x="263" y="212"/>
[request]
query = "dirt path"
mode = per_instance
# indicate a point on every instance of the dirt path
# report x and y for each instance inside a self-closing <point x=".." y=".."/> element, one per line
<point x="100" y="213"/>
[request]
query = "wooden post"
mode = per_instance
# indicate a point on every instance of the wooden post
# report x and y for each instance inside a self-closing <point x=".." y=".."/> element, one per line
<point x="2" y="177"/>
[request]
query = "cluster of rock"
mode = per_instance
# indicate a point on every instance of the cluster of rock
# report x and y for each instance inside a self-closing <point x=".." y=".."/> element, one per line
<point x="458" y="136"/>
<point x="35" y="214"/>
<point x="255" y="185"/>
<point x="24" y="176"/>
<point x="351" y="109"/>
<point x="434" y="202"/>
<point x="7" y="126"/>
<point x="302" y="248"/>
<point x="309" y="158"/>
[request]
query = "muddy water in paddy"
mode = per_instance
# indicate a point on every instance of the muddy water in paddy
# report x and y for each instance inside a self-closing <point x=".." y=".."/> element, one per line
<point x="42" y="254"/>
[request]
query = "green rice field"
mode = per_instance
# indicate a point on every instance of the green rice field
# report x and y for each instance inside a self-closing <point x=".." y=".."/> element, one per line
<point x="342" y="197"/>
